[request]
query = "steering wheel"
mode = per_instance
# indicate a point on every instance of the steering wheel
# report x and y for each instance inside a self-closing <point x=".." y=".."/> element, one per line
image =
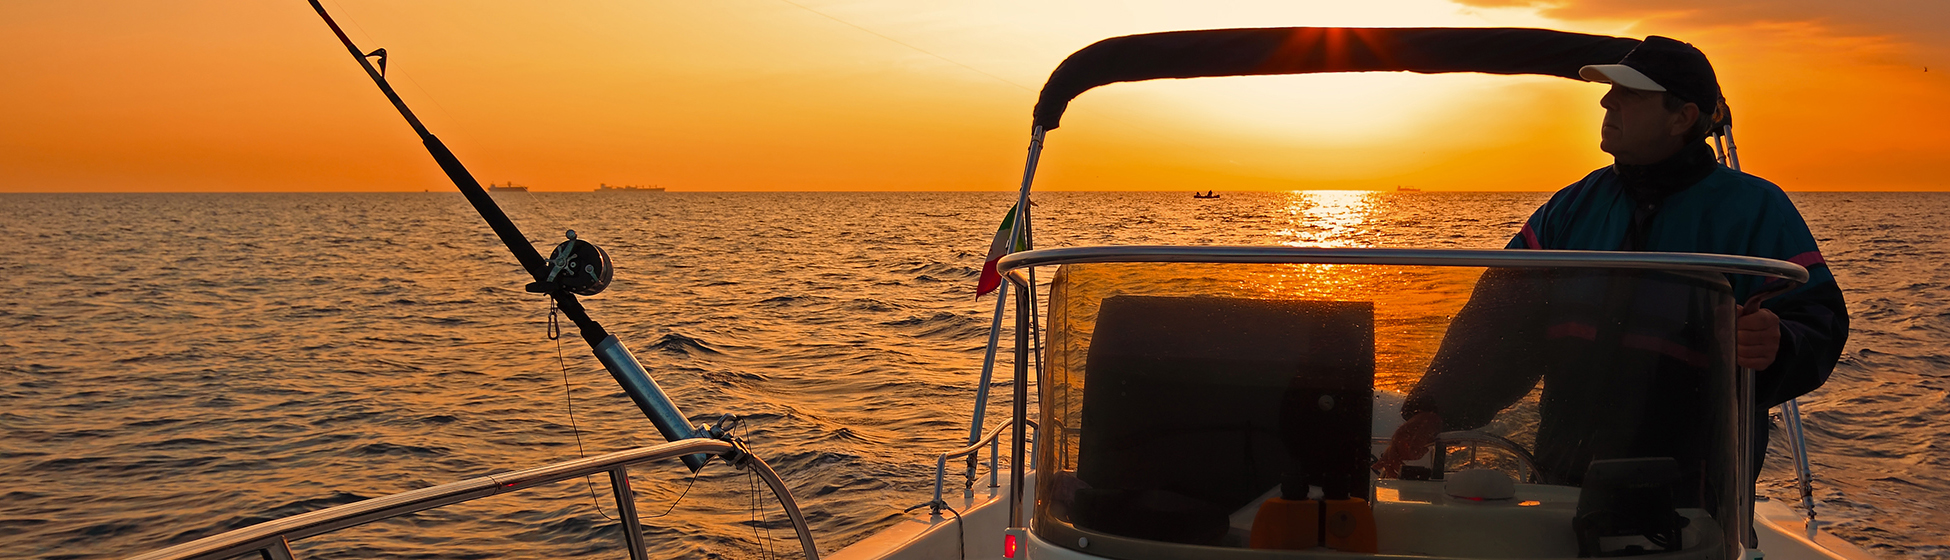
<point x="1474" y="438"/>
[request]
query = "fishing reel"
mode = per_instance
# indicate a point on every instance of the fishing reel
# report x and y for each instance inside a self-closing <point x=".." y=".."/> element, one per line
<point x="576" y="266"/>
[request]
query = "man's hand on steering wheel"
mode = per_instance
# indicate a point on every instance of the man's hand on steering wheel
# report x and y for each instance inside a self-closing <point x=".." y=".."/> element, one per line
<point x="1410" y="442"/>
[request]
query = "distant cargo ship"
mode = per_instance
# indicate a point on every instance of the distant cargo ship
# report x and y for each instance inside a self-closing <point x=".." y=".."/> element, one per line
<point x="510" y="187"/>
<point x="1399" y="188"/>
<point x="627" y="188"/>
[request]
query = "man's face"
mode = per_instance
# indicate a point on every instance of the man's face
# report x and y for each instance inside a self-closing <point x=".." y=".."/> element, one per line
<point x="1638" y="129"/>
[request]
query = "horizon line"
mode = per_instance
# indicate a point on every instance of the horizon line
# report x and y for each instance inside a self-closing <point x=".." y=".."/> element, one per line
<point x="457" y="191"/>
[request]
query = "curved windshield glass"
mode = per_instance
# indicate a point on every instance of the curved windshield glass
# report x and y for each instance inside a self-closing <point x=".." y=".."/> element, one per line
<point x="1216" y="410"/>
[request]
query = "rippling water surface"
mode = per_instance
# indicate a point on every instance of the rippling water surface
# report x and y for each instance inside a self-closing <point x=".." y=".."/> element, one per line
<point x="174" y="366"/>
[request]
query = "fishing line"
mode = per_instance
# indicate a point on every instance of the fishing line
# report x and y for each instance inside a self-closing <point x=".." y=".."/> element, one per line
<point x="758" y="512"/>
<point x="680" y="497"/>
<point x="347" y="15"/>
<point x="555" y="334"/>
<point x="548" y="212"/>
<point x="751" y="489"/>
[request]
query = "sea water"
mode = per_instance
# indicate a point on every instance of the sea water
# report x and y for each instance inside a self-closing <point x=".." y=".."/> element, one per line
<point x="177" y="365"/>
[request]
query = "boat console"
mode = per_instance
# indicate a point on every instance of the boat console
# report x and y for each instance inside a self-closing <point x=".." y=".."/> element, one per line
<point x="1235" y="402"/>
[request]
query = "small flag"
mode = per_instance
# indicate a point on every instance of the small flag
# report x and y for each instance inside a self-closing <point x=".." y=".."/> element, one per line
<point x="997" y="249"/>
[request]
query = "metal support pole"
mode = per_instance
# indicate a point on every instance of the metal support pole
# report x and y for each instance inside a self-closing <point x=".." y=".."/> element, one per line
<point x="1744" y="466"/>
<point x="1036" y="352"/>
<point x="1035" y="302"/>
<point x="1021" y="387"/>
<point x="988" y="376"/>
<point x="1035" y="438"/>
<point x="1733" y="151"/>
<point x="619" y="482"/>
<point x="1029" y="175"/>
<point x="1022" y="410"/>
<point x="994" y="457"/>
<point x="1797" y="441"/>
<point x="1790" y="410"/>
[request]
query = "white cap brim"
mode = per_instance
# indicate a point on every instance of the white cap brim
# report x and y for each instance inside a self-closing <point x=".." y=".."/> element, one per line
<point x="1619" y="74"/>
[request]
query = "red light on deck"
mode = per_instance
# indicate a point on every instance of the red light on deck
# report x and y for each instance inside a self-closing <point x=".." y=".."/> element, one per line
<point x="1008" y="546"/>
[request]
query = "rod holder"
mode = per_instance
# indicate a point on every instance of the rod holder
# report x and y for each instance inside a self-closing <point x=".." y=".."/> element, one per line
<point x="649" y="398"/>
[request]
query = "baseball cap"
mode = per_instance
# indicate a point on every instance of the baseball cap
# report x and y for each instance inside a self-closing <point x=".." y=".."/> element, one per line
<point x="1663" y="64"/>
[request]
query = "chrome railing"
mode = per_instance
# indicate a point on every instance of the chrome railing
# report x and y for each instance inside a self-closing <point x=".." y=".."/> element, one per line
<point x="272" y="539"/>
<point x="1494" y="258"/>
<point x="941" y="464"/>
<point x="1798" y="444"/>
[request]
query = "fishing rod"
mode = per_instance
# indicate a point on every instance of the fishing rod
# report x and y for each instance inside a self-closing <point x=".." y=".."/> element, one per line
<point x="574" y="267"/>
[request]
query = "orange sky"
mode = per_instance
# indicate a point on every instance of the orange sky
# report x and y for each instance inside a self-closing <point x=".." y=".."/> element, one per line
<point x="186" y="95"/>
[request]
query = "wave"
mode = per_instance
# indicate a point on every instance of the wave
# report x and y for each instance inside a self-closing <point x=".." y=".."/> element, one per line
<point x="391" y="449"/>
<point x="941" y="324"/>
<point x="684" y="345"/>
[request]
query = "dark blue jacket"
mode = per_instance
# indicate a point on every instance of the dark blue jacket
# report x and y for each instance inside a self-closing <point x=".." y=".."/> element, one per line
<point x="1728" y="213"/>
<point x="1568" y="326"/>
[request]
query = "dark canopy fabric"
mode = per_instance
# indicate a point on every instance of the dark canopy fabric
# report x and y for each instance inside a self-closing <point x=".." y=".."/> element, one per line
<point x="1303" y="50"/>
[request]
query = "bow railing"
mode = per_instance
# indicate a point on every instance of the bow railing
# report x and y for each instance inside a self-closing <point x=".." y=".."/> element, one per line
<point x="272" y="539"/>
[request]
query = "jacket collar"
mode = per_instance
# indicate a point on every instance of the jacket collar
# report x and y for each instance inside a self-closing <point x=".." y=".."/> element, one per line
<point x="1652" y="183"/>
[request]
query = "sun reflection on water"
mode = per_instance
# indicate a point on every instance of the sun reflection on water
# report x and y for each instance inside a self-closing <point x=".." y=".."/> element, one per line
<point x="1329" y="219"/>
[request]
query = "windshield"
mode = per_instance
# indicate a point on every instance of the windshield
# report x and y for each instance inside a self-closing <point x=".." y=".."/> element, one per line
<point x="1210" y="410"/>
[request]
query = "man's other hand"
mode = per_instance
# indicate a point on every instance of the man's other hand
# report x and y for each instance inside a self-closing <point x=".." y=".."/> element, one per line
<point x="1758" y="335"/>
<point x="1411" y="442"/>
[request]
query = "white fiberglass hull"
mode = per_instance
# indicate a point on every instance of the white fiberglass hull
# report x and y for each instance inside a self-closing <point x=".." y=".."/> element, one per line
<point x="978" y="534"/>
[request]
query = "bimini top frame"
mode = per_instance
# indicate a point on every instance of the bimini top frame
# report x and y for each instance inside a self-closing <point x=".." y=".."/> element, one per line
<point x="1313" y="50"/>
<point x="1310" y="50"/>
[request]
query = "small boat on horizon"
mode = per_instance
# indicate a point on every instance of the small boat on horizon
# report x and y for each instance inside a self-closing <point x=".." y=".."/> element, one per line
<point x="601" y="187"/>
<point x="1399" y="188"/>
<point x="510" y="187"/>
<point x="1208" y="194"/>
